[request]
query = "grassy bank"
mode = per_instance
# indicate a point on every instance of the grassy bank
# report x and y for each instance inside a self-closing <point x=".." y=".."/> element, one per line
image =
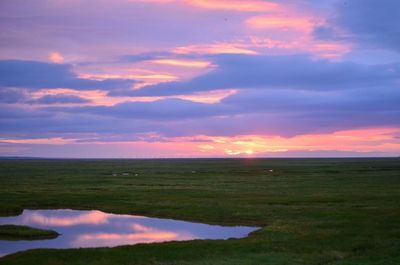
<point x="17" y="232"/>
<point x="313" y="211"/>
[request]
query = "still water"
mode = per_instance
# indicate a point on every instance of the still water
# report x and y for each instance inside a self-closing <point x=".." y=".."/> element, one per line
<point x="82" y="229"/>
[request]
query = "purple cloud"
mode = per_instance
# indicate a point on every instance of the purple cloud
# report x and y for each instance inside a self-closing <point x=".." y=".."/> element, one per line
<point x="284" y="88"/>
<point x="369" y="23"/>
<point x="12" y="95"/>
<point x="38" y="75"/>
<point x="269" y="72"/>
<point x="61" y="99"/>
<point x="274" y="112"/>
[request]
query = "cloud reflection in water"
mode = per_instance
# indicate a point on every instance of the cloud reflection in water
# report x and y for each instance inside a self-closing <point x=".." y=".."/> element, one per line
<point x="98" y="229"/>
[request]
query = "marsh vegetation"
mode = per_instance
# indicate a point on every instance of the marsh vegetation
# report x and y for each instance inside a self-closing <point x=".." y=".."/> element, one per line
<point x="312" y="211"/>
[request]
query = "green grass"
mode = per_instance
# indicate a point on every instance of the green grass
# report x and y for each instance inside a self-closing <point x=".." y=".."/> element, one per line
<point x="312" y="211"/>
<point x="17" y="232"/>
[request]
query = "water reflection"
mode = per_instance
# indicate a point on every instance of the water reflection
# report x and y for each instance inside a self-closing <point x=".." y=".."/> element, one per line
<point x="66" y="218"/>
<point x="99" y="229"/>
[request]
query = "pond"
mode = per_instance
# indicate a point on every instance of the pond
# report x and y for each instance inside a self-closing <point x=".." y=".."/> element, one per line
<point x="83" y="229"/>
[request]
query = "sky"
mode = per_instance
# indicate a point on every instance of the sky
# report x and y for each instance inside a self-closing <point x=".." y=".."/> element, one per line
<point x="199" y="78"/>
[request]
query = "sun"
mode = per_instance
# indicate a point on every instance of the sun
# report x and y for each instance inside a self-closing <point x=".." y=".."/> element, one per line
<point x="249" y="152"/>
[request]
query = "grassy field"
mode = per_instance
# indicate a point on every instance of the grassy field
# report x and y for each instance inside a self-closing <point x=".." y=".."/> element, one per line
<point x="17" y="232"/>
<point x="313" y="211"/>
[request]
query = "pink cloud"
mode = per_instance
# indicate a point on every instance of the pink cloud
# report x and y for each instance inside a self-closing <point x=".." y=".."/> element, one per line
<point x="56" y="57"/>
<point x="235" y="5"/>
<point x="215" y="48"/>
<point x="360" y="141"/>
<point x="183" y="63"/>
<point x="304" y="24"/>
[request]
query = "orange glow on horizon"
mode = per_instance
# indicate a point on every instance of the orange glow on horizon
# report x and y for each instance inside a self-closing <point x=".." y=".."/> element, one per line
<point x="359" y="140"/>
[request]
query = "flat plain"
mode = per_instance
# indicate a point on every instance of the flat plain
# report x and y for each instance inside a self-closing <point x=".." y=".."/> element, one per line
<point x="312" y="211"/>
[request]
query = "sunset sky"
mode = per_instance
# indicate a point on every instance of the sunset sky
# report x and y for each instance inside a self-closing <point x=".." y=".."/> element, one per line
<point x="199" y="78"/>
